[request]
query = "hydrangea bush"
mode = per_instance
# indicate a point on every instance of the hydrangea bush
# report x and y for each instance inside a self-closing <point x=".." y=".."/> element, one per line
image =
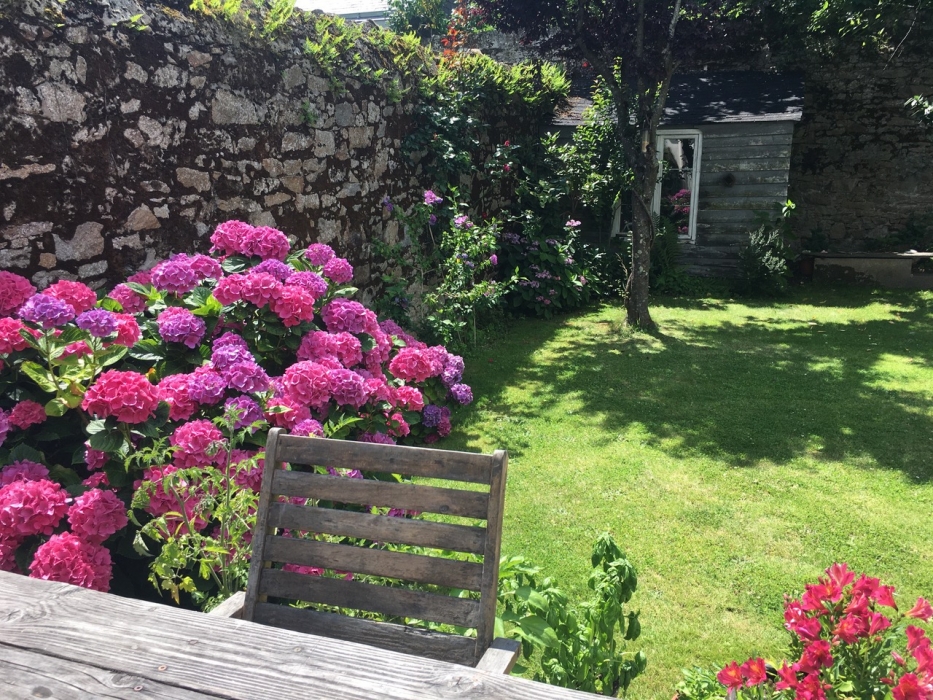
<point x="163" y="388"/>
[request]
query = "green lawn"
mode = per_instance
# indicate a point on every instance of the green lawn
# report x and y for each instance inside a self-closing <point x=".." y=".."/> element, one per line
<point x="734" y="455"/>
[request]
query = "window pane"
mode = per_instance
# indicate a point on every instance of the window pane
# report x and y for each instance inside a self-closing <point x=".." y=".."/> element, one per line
<point x="677" y="178"/>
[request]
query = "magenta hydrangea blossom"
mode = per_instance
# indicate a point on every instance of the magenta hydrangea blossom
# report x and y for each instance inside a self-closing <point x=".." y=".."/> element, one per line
<point x="27" y="413"/>
<point x="415" y="364"/>
<point x="178" y="325"/>
<point x="95" y="515"/>
<point x="197" y="443"/>
<point x="307" y="428"/>
<point x="346" y="315"/>
<point x="246" y="377"/>
<point x="379" y="438"/>
<point x="205" y="267"/>
<point x="318" y="254"/>
<point x="127" y="396"/>
<point x="4" y="425"/>
<point x="276" y="268"/>
<point x="247" y="411"/>
<point x="224" y="356"/>
<point x="70" y="559"/>
<point x="338" y="271"/>
<point x="347" y="388"/>
<point x="77" y="295"/>
<point x="293" y="305"/>
<point x="229" y="290"/>
<point x="307" y="383"/>
<point x="310" y="281"/>
<point x="23" y="470"/>
<point x="46" y="311"/>
<point x="175" y="275"/>
<point x="174" y="390"/>
<point x="267" y="243"/>
<point x="98" y="322"/>
<point x="94" y="459"/>
<point x="260" y="288"/>
<point x="10" y="338"/>
<point x="231" y="237"/>
<point x="285" y="412"/>
<point x="206" y="386"/>
<point x="131" y="302"/>
<point x="31" y="508"/>
<point x="14" y="291"/>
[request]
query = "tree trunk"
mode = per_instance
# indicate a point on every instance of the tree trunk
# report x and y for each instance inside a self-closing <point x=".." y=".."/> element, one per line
<point x="636" y="301"/>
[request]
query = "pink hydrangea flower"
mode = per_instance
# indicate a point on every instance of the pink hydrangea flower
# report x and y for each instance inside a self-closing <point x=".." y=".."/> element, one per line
<point x="94" y="459"/>
<point x="410" y="398"/>
<point x="338" y="270"/>
<point x="8" y="556"/>
<point x="247" y="377"/>
<point x="347" y="388"/>
<point x="128" y="332"/>
<point x="314" y="346"/>
<point x="127" y="396"/>
<point x="205" y="267"/>
<point x="345" y="315"/>
<point x="285" y="412"/>
<point x="206" y="386"/>
<point x="175" y="275"/>
<point x="379" y="438"/>
<point x="307" y="383"/>
<point x="231" y="237"/>
<point x="197" y="444"/>
<point x="415" y="364"/>
<point x="346" y="348"/>
<point x="259" y="288"/>
<point x="27" y="413"/>
<point x="397" y="425"/>
<point x="14" y="291"/>
<point x="95" y="515"/>
<point x="229" y="290"/>
<point x="4" y="425"/>
<point x="268" y="243"/>
<point x="31" y="508"/>
<point x="96" y="480"/>
<point x="307" y="428"/>
<point x="10" y="338"/>
<point x="294" y="305"/>
<point x="312" y="282"/>
<point x="76" y="294"/>
<point x="131" y="302"/>
<point x="178" y="325"/>
<point x="23" y="470"/>
<point x="70" y="559"/>
<point x="79" y="349"/>
<point x="391" y="328"/>
<point x="379" y="390"/>
<point x="318" y="254"/>
<point x="143" y="277"/>
<point x="173" y="389"/>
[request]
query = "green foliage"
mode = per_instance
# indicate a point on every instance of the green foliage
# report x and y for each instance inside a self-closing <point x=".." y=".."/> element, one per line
<point x="267" y="17"/>
<point x="763" y="261"/>
<point x="425" y="18"/>
<point x="699" y="684"/>
<point x="576" y="647"/>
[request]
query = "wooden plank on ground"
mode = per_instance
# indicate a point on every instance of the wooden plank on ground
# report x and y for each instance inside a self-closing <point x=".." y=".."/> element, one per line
<point x="381" y="528"/>
<point x="399" y="602"/>
<point x="376" y="562"/>
<point x="228" y="658"/>
<point x="431" y="499"/>
<point x="27" y="675"/>
<point x="372" y="457"/>
<point x="385" y="635"/>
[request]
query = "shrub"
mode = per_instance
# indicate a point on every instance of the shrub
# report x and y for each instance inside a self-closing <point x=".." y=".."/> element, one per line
<point x="164" y="388"/>
<point x="848" y="640"/>
<point x="763" y="266"/>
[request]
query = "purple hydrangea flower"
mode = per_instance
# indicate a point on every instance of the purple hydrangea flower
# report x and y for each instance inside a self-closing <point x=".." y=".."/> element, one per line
<point x="205" y="386"/>
<point x="453" y="370"/>
<point x="274" y="267"/>
<point x="230" y="338"/>
<point x="311" y="281"/>
<point x="249" y="411"/>
<point x="46" y="311"/>
<point x="494" y="259"/>
<point x="98" y="322"/>
<point x="462" y="393"/>
<point x="177" y="325"/>
<point x="431" y="199"/>
<point x="205" y="267"/>
<point x="307" y="428"/>
<point x="431" y="416"/>
<point x="318" y="254"/>
<point x="379" y="438"/>
<point x="247" y="377"/>
<point x="4" y="425"/>
<point x="338" y="270"/>
<point x="225" y="356"/>
<point x="175" y="275"/>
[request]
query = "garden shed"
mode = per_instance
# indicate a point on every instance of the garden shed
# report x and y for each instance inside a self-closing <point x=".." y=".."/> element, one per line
<point x="725" y="144"/>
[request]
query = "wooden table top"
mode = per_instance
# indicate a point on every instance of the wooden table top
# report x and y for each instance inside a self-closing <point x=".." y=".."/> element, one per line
<point x="68" y="643"/>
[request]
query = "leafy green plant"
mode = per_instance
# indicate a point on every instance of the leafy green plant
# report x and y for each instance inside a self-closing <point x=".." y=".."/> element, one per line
<point x="763" y="265"/>
<point x="425" y="18"/>
<point x="585" y="647"/>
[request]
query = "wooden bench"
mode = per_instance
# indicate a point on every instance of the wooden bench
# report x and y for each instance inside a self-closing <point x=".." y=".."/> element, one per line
<point x="892" y="270"/>
<point x="352" y="547"/>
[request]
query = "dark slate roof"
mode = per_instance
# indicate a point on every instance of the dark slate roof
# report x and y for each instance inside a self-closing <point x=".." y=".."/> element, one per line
<point x="716" y="97"/>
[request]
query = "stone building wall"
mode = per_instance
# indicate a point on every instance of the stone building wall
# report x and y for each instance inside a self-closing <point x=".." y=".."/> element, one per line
<point x="861" y="164"/>
<point x="128" y="131"/>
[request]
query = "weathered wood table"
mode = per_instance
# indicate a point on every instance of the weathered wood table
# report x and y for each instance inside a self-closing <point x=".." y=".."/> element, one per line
<point x="68" y="643"/>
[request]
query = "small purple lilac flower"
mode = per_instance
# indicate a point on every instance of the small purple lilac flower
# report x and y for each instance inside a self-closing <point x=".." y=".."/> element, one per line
<point x="247" y="409"/>
<point x="98" y="322"/>
<point x="319" y="253"/>
<point x="431" y="416"/>
<point x="308" y="427"/>
<point x="46" y="310"/>
<point x="494" y="259"/>
<point x="247" y="377"/>
<point x="463" y="221"/>
<point x="462" y="393"/>
<point x="387" y="203"/>
<point x="432" y="219"/>
<point x="311" y="281"/>
<point x="274" y="267"/>
<point x="431" y="199"/>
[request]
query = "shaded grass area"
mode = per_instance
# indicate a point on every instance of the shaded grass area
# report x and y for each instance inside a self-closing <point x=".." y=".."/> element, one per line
<point x="734" y="455"/>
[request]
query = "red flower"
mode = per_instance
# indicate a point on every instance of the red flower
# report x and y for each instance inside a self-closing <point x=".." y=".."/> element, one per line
<point x="754" y="671"/>
<point x="912" y="688"/>
<point x="916" y="638"/>
<point x="815" y="656"/>
<point x="924" y="659"/>
<point x="878" y="623"/>
<point x="885" y="596"/>
<point x="788" y="678"/>
<point x="866" y="585"/>
<point x="921" y="611"/>
<point x="840" y="575"/>
<point x="730" y="676"/>
<point x="850" y="628"/>
<point x="810" y="688"/>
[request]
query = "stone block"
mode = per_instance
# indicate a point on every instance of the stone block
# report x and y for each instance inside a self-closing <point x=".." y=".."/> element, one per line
<point x="194" y="179"/>
<point x="227" y="108"/>
<point x="87" y="242"/>
<point x="142" y="219"/>
<point x="61" y="103"/>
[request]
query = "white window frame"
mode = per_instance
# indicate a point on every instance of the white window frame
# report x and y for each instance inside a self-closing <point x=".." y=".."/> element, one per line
<point x="697" y="135"/>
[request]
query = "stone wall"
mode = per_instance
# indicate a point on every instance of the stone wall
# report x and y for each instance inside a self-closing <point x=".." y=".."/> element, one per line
<point x="129" y="131"/>
<point x="861" y="163"/>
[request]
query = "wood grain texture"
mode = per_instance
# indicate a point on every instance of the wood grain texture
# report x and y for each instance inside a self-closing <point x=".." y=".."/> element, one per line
<point x="230" y="659"/>
<point x="486" y="627"/>
<point x="724" y="150"/>
<point x="411" y="461"/>
<point x="27" y="675"/>
<point x="746" y="129"/>
<point x="429" y="499"/>
<point x="379" y="528"/>
<point x="376" y="562"/>
<point x="744" y="164"/>
<point x="257" y="561"/>
<point x="385" y="635"/>
<point x="501" y="656"/>
<point x="399" y="602"/>
<point x="746" y="140"/>
<point x="231" y="607"/>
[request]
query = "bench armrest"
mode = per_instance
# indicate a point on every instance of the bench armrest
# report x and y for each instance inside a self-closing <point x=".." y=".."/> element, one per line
<point x="501" y="656"/>
<point x="231" y="607"/>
